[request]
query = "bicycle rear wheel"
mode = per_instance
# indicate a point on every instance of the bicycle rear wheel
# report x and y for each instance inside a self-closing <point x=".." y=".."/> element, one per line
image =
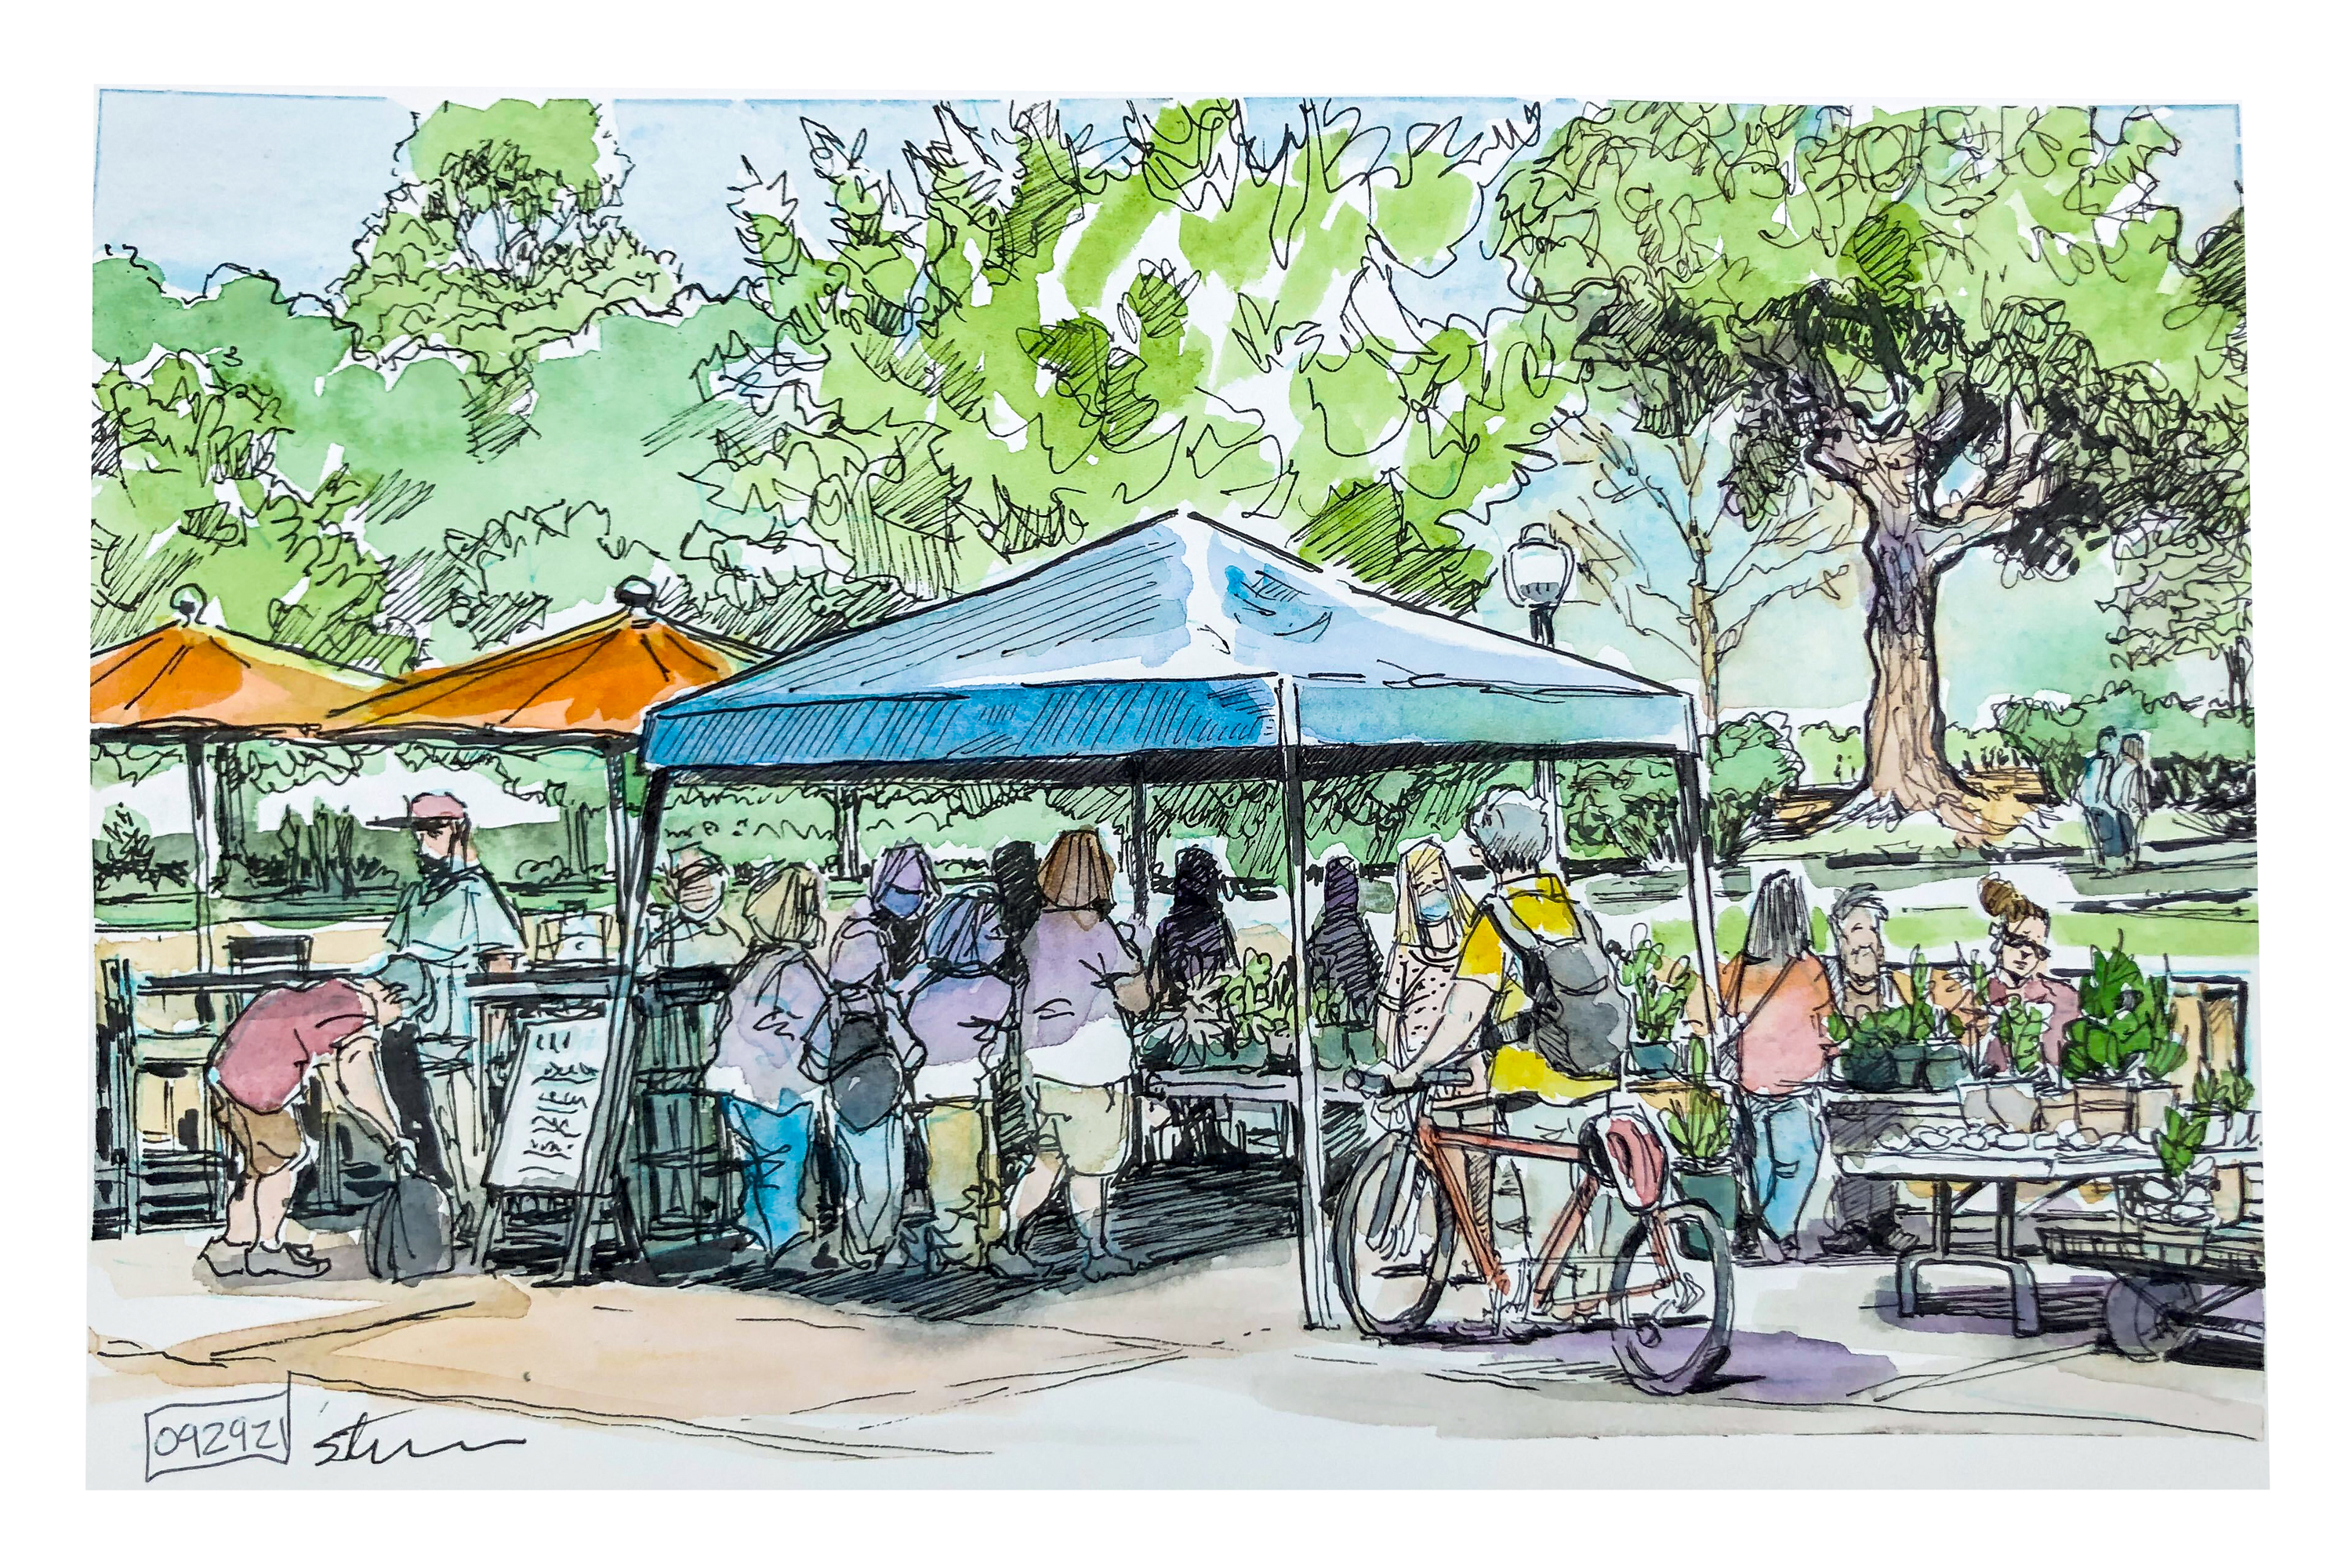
<point x="1392" y="1242"/>
<point x="1669" y="1299"/>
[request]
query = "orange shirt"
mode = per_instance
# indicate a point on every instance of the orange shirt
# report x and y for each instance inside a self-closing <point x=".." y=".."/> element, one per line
<point x="1783" y="1045"/>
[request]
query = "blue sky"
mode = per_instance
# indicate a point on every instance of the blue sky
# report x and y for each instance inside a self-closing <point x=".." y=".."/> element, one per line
<point x="283" y="184"/>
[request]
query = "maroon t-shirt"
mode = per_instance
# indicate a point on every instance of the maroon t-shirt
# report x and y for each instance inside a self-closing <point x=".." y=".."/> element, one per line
<point x="271" y="1050"/>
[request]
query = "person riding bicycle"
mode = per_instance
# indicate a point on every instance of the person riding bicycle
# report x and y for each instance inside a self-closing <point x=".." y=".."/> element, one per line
<point x="1553" y="1056"/>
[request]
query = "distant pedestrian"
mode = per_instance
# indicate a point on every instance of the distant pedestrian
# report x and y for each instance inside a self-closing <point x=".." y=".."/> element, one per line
<point x="2128" y="793"/>
<point x="1195" y="941"/>
<point x="2095" y="796"/>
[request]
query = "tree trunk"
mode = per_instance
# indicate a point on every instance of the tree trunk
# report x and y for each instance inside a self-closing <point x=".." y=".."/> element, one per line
<point x="1903" y="766"/>
<point x="1705" y="643"/>
<point x="2238" y="659"/>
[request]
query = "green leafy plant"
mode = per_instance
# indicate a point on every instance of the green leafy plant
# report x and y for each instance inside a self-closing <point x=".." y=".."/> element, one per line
<point x="2126" y="1021"/>
<point x="1659" y="990"/>
<point x="2177" y="1145"/>
<point x="2223" y="1090"/>
<point x="2018" y="1028"/>
<point x="1254" y="1001"/>
<point x="1701" y="1129"/>
<point x="1905" y="1023"/>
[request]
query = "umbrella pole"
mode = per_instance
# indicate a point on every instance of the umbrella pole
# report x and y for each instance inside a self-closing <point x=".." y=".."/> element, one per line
<point x="200" y="867"/>
<point x="602" y="1178"/>
<point x="1314" y="1265"/>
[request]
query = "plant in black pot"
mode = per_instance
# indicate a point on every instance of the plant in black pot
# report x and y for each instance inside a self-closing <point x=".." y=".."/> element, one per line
<point x="1659" y="992"/>
<point x="1885" y="1052"/>
<point x="1700" y="1132"/>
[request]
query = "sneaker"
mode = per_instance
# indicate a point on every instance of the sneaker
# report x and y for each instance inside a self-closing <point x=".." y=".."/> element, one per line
<point x="1851" y="1241"/>
<point x="1770" y="1250"/>
<point x="1099" y="1266"/>
<point x="1892" y="1238"/>
<point x="223" y="1259"/>
<point x="283" y="1262"/>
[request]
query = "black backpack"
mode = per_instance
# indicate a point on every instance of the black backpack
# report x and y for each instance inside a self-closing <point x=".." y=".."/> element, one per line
<point x="1579" y="1018"/>
<point x="407" y="1230"/>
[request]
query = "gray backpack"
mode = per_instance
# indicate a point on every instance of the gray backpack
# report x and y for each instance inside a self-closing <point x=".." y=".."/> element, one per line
<point x="1579" y="1017"/>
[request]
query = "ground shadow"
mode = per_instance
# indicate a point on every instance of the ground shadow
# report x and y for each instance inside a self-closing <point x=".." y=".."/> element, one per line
<point x="1159" y="1216"/>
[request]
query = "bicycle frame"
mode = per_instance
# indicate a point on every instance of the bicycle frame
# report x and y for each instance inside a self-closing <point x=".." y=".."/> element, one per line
<point x="1431" y="1142"/>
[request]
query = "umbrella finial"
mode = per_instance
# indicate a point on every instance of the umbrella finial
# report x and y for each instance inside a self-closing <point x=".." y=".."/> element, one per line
<point x="635" y="594"/>
<point x="188" y="603"/>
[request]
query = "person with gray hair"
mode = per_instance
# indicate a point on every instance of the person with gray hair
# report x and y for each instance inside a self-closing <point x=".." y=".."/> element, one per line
<point x="1492" y="1005"/>
<point x="1777" y="993"/>
<point x="1512" y="832"/>
<point x="1864" y="983"/>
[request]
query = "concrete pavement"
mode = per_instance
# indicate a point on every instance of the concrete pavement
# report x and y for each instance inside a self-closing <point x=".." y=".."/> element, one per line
<point x="1191" y="1373"/>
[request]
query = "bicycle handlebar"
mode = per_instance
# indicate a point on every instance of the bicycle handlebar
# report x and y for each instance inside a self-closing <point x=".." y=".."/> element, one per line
<point x="1376" y="1083"/>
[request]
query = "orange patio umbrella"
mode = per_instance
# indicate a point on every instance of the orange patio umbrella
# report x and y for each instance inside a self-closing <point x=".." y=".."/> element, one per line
<point x="588" y="686"/>
<point x="190" y="685"/>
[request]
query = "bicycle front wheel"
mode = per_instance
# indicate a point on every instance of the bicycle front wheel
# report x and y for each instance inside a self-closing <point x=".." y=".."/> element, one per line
<point x="1392" y="1241"/>
<point x="1669" y="1299"/>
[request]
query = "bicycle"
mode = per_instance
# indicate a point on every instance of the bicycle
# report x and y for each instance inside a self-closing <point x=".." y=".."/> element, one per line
<point x="1405" y="1207"/>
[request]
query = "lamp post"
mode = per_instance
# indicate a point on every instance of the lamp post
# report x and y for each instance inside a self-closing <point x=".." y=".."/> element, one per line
<point x="1538" y="572"/>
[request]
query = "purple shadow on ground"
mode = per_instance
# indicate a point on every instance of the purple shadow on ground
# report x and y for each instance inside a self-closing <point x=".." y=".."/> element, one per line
<point x="1788" y="1368"/>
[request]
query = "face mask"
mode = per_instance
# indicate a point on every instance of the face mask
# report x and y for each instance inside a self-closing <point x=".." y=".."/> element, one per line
<point x="1434" y="910"/>
<point x="899" y="903"/>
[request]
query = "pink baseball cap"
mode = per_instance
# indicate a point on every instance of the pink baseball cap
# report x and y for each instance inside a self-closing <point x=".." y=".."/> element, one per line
<point x="427" y="811"/>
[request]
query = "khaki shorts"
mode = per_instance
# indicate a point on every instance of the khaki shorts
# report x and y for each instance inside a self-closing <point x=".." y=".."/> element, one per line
<point x="266" y="1141"/>
<point x="1084" y="1125"/>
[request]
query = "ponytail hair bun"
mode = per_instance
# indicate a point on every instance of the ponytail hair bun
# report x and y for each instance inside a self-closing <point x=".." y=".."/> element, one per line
<point x="2005" y="904"/>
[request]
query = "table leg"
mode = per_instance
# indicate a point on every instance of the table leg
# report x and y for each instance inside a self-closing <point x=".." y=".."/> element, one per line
<point x="1939" y="1247"/>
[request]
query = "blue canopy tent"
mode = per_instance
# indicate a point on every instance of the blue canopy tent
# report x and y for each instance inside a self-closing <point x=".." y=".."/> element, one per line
<point x="1173" y="651"/>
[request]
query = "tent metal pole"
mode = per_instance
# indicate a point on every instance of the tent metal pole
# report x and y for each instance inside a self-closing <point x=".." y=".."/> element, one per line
<point x="1692" y="777"/>
<point x="1139" y="838"/>
<point x="602" y="1177"/>
<point x="1314" y="1252"/>
<point x="200" y="860"/>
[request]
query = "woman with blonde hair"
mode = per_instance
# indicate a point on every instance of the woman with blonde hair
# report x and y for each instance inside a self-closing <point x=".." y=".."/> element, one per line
<point x="1431" y="914"/>
<point x="1084" y="978"/>
<point x="776" y="1018"/>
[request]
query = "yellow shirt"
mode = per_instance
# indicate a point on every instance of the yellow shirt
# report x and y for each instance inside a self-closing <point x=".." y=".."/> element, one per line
<point x="1542" y="905"/>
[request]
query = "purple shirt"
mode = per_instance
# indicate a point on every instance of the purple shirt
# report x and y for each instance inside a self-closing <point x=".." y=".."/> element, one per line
<point x="1072" y="969"/>
<point x="960" y="1017"/>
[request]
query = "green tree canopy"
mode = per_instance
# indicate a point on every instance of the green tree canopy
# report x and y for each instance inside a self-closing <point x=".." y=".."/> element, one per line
<point x="1980" y="323"/>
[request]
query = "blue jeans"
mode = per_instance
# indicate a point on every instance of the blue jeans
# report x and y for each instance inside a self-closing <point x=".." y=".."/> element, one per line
<point x="775" y="1145"/>
<point x="871" y="1169"/>
<point x="1784" y="1156"/>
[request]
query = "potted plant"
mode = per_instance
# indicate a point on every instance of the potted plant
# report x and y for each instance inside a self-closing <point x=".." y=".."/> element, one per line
<point x="1256" y="1003"/>
<point x="1700" y="1132"/>
<point x="2176" y="1211"/>
<point x="1885" y="1051"/>
<point x="1659" y="992"/>
<point x="2123" y="1046"/>
<point x="2223" y="1098"/>
<point x="2013" y="1098"/>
